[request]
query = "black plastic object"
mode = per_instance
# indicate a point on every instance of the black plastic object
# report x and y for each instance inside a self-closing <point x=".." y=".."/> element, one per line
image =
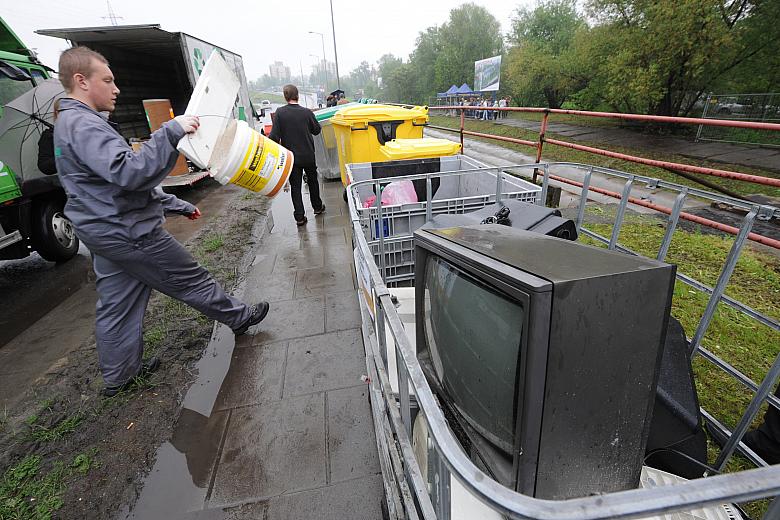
<point x="388" y="169"/>
<point x="385" y="130"/>
<point x="522" y="215"/>
<point x="676" y="427"/>
<point x="501" y="217"/>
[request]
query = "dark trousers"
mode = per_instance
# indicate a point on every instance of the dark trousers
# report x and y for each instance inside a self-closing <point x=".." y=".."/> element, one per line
<point x="126" y="274"/>
<point x="296" y="180"/>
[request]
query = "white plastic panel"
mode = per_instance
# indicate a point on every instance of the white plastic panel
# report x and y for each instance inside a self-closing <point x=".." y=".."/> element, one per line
<point x="212" y="100"/>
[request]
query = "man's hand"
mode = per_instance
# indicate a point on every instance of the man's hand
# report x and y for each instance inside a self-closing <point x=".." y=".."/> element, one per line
<point x="195" y="215"/>
<point x="188" y="123"/>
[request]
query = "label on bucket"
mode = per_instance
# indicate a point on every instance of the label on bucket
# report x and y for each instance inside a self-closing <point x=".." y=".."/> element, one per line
<point x="265" y="162"/>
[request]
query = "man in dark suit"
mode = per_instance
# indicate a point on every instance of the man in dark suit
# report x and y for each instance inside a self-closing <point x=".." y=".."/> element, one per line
<point x="293" y="128"/>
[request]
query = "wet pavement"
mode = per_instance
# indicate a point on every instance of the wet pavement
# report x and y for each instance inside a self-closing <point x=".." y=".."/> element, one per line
<point x="49" y="308"/>
<point x="278" y="424"/>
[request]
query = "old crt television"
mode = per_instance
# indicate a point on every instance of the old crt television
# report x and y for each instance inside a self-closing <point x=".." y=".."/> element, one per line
<point x="543" y="352"/>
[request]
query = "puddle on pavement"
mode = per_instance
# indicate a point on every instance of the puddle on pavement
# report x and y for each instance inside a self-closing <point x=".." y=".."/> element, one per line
<point x="180" y="478"/>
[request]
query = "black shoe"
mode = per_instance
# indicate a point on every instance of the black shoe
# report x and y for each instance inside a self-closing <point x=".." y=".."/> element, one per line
<point x="301" y="221"/>
<point x="147" y="367"/>
<point x="320" y="211"/>
<point x="259" y="312"/>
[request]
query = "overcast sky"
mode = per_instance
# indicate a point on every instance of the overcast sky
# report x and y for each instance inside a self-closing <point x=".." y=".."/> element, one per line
<point x="261" y="31"/>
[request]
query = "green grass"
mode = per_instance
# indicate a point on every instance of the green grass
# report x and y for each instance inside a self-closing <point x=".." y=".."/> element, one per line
<point x="560" y="154"/>
<point x="257" y="97"/>
<point x="28" y="491"/>
<point x="59" y="430"/>
<point x="212" y="242"/>
<point x="741" y="341"/>
<point x="591" y="122"/>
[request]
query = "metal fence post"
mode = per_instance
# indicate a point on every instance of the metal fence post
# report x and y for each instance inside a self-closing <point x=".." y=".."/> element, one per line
<point x="583" y="199"/>
<point x="674" y="217"/>
<point x="545" y="185"/>
<point x="403" y="391"/>
<point x="723" y="279"/>
<point x="621" y="212"/>
<point x="540" y="144"/>
<point x="441" y="486"/>
<point x="703" y="116"/>
<point x="428" y="199"/>
<point x="380" y="227"/>
<point x="462" y="124"/>
<point x="380" y="326"/>
<point x="499" y="179"/>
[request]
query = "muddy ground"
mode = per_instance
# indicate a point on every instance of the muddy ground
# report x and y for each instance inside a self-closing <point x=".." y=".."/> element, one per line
<point x="66" y="451"/>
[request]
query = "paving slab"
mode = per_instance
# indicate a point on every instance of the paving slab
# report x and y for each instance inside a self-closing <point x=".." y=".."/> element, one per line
<point x="353" y="500"/>
<point x="292" y="319"/>
<point x="255" y="376"/>
<point x="271" y="449"/>
<point x="341" y="311"/>
<point x="306" y="257"/>
<point x="351" y="441"/>
<point x="325" y="362"/>
<point x="272" y="287"/>
<point x="314" y="282"/>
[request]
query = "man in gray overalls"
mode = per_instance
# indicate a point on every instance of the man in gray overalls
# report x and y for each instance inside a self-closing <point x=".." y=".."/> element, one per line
<point x="117" y="212"/>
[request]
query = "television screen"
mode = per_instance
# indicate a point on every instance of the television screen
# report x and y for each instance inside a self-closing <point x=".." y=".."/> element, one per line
<point x="474" y="333"/>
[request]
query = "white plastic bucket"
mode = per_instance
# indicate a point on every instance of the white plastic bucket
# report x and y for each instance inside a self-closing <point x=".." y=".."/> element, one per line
<point x="248" y="159"/>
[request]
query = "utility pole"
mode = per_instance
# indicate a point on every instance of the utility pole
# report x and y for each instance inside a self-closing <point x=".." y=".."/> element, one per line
<point x="335" y="52"/>
<point x="112" y="15"/>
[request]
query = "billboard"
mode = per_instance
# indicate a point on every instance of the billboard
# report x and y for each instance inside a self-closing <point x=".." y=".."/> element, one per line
<point x="487" y="73"/>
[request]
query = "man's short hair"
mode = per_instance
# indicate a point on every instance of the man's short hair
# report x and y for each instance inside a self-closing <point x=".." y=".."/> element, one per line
<point x="290" y="93"/>
<point x="77" y="60"/>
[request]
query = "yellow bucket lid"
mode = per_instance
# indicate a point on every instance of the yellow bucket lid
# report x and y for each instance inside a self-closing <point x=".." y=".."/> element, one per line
<point x="399" y="149"/>
<point x="370" y="113"/>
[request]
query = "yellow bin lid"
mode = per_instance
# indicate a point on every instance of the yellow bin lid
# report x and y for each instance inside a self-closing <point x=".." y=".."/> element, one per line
<point x="350" y="115"/>
<point x="399" y="149"/>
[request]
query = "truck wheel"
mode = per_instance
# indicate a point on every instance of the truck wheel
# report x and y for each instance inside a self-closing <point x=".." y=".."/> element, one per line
<point x="53" y="234"/>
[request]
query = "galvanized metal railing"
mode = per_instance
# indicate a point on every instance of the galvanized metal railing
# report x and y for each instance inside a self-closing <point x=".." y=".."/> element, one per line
<point x="392" y="412"/>
<point x="679" y="168"/>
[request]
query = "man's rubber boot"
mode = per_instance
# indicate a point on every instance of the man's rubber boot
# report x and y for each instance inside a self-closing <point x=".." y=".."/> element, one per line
<point x="147" y="367"/>
<point x="259" y="312"/>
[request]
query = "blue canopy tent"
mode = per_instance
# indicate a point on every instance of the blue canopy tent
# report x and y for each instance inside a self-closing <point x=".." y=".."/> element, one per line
<point x="449" y="96"/>
<point x="465" y="90"/>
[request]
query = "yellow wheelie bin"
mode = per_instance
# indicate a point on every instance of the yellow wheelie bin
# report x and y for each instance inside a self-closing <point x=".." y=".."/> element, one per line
<point x="363" y="130"/>
<point x="425" y="148"/>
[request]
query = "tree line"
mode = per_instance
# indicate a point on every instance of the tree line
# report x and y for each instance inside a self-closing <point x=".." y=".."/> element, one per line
<point x="641" y="56"/>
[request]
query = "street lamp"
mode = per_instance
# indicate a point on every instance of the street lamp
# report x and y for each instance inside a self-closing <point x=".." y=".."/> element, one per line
<point x="335" y="52"/>
<point x="324" y="59"/>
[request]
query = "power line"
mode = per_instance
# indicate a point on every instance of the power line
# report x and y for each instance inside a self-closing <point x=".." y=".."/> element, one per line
<point x="112" y="15"/>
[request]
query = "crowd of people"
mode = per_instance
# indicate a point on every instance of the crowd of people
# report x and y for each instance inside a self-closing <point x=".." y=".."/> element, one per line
<point x="479" y="107"/>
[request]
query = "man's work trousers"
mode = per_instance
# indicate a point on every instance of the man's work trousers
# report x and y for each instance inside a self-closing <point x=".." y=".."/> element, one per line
<point x="126" y="274"/>
<point x="296" y="180"/>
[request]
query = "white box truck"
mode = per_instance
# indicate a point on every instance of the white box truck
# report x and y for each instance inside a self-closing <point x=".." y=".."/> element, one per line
<point x="151" y="63"/>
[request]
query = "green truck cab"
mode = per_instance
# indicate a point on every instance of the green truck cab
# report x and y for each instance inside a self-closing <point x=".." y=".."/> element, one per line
<point x="31" y="203"/>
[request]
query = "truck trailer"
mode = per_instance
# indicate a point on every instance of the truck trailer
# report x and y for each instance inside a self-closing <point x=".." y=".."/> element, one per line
<point x="151" y="63"/>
